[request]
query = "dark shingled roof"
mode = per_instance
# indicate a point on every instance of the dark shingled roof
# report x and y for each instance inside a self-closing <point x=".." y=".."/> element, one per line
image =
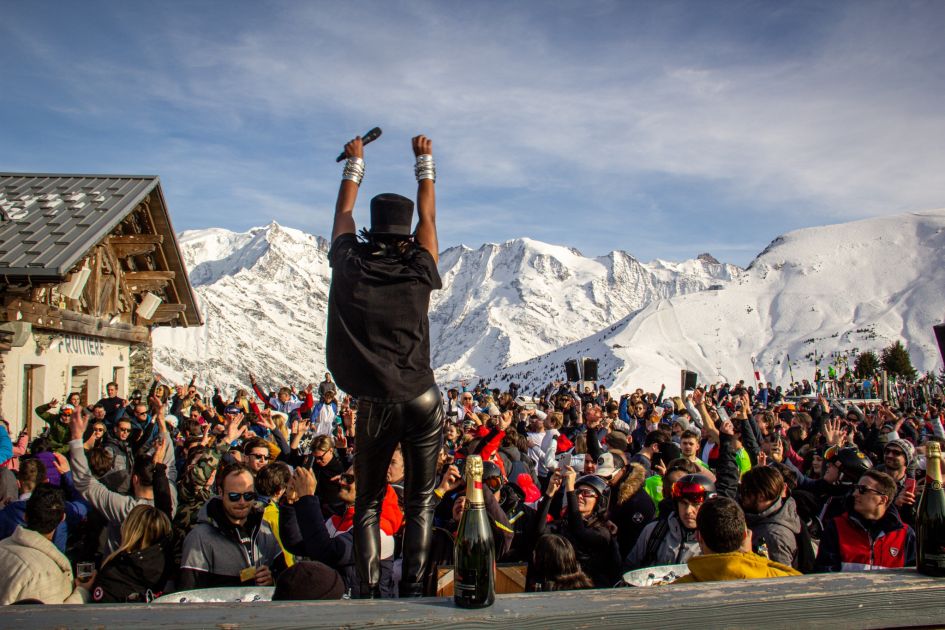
<point x="48" y="222"/>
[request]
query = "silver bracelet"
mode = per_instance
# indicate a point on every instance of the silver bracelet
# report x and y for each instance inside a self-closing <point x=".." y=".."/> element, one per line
<point x="425" y="168"/>
<point x="354" y="170"/>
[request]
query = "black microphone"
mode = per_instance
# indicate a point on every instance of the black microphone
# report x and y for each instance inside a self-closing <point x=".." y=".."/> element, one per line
<point x="370" y="136"/>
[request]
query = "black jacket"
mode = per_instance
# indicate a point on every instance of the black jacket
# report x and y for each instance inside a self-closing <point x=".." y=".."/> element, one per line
<point x="134" y="576"/>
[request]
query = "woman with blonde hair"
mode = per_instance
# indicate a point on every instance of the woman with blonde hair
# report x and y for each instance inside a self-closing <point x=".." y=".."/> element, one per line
<point x="138" y="570"/>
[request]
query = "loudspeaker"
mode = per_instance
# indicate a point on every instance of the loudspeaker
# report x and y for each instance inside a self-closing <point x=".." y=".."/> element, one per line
<point x="689" y="380"/>
<point x="571" y="368"/>
<point x="590" y="369"/>
<point x="940" y="338"/>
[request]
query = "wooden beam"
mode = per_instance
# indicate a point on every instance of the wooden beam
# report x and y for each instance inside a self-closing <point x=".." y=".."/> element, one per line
<point x="52" y="318"/>
<point x="166" y="313"/>
<point x="131" y="239"/>
<point x="134" y="244"/>
<point x="141" y="281"/>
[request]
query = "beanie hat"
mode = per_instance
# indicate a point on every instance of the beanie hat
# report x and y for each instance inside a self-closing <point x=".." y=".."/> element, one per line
<point x="309" y="580"/>
<point x="618" y="440"/>
<point x="907" y="449"/>
<point x="682" y="422"/>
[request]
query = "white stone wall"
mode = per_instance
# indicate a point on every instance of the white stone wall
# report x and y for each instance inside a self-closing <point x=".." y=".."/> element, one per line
<point x="56" y="355"/>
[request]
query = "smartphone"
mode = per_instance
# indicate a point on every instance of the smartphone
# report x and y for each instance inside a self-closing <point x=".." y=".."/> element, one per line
<point x="577" y="462"/>
<point x="910" y="485"/>
<point x="564" y="460"/>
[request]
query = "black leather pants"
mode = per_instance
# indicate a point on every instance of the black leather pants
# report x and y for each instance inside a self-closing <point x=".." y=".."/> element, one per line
<point x="417" y="425"/>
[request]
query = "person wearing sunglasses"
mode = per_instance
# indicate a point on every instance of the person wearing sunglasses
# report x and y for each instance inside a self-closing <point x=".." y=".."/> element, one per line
<point x="869" y="535"/>
<point x="231" y="544"/>
<point x="583" y="523"/>
<point x="256" y="454"/>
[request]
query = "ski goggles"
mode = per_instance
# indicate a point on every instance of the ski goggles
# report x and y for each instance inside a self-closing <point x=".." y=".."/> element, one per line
<point x="693" y="492"/>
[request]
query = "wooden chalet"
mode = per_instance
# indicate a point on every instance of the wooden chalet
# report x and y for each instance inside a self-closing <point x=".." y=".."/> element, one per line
<point x="89" y="264"/>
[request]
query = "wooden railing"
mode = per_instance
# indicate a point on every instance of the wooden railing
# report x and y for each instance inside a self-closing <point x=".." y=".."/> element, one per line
<point x="828" y="602"/>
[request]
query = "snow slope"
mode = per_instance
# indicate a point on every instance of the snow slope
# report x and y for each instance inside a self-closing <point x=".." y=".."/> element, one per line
<point x="264" y="296"/>
<point x="837" y="289"/>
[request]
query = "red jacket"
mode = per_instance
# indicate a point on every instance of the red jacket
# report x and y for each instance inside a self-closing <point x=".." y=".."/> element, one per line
<point x="848" y="545"/>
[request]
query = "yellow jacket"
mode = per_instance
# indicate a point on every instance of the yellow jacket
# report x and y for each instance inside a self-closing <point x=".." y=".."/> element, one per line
<point x="736" y="565"/>
<point x="271" y="516"/>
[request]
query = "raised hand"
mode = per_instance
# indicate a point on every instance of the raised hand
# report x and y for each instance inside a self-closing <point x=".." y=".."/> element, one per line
<point x="832" y="431"/>
<point x="354" y="148"/>
<point x="61" y="463"/>
<point x="305" y="482"/>
<point x="422" y="145"/>
<point x="78" y="423"/>
<point x="160" y="448"/>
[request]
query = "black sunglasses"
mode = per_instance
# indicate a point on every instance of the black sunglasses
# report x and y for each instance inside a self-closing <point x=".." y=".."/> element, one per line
<point x="862" y="489"/>
<point x="246" y="496"/>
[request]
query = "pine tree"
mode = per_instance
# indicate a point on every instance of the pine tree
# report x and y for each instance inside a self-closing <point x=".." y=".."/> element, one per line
<point x="896" y="361"/>
<point x="866" y="364"/>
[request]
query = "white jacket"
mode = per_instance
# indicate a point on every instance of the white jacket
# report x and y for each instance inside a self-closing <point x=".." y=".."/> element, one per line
<point x="33" y="568"/>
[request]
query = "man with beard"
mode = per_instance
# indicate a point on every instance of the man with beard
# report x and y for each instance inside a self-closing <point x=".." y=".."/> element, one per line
<point x="231" y="544"/>
<point x="898" y="457"/>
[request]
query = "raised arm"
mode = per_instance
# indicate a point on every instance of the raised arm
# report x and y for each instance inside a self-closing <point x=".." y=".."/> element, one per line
<point x="348" y="192"/>
<point x="426" y="196"/>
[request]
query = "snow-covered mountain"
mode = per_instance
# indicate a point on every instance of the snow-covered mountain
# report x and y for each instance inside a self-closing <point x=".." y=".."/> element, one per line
<point x="508" y="303"/>
<point x="264" y="296"/>
<point x="839" y="289"/>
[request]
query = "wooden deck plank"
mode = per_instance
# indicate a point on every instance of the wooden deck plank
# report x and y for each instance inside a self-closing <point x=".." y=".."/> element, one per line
<point x="878" y="600"/>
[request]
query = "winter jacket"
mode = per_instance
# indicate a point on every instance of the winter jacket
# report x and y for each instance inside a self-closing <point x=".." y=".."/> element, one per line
<point x="123" y="462"/>
<point x="216" y="550"/>
<point x="14" y="515"/>
<point x="851" y="543"/>
<point x="594" y="545"/>
<point x="134" y="576"/>
<point x="736" y="565"/>
<point x="304" y="531"/>
<point x="632" y="510"/>
<point x="56" y="431"/>
<point x="676" y="546"/>
<point x="323" y="418"/>
<point x="32" y="568"/>
<point x="778" y="526"/>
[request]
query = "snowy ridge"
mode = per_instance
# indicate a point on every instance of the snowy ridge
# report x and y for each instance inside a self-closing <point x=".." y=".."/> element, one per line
<point x="264" y="295"/>
<point x="517" y="310"/>
<point x="842" y="288"/>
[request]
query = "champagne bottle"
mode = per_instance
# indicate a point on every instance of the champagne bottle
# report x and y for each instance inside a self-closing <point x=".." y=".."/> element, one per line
<point x="474" y="552"/>
<point x="930" y="516"/>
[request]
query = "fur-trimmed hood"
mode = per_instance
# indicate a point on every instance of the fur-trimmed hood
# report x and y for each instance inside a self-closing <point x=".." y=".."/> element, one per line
<point x="632" y="483"/>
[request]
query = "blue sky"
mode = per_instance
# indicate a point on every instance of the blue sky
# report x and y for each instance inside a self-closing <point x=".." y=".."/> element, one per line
<point x="661" y="128"/>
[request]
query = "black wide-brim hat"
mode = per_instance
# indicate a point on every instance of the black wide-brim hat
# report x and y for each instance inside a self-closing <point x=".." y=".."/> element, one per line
<point x="391" y="214"/>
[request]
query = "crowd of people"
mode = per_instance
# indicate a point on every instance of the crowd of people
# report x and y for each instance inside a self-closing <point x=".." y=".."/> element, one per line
<point x="168" y="490"/>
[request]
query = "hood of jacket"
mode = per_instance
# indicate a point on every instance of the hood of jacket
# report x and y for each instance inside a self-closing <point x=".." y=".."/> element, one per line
<point x="131" y="574"/>
<point x="782" y="512"/>
<point x="632" y="483"/>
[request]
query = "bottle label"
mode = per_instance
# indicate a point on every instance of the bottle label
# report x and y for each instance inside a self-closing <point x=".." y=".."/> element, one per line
<point x="934" y="485"/>
<point x="467" y="582"/>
